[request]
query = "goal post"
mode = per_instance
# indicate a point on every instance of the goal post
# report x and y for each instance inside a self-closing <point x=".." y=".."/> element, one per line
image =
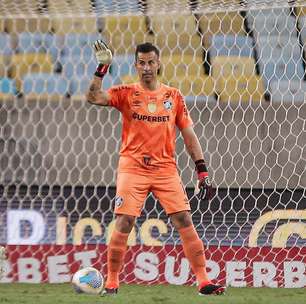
<point x="240" y="66"/>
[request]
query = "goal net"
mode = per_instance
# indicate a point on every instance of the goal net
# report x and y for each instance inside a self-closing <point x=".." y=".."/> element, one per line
<point x="240" y="66"/>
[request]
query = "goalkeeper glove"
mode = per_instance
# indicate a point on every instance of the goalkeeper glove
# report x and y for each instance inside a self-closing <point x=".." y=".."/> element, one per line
<point x="205" y="188"/>
<point x="104" y="57"/>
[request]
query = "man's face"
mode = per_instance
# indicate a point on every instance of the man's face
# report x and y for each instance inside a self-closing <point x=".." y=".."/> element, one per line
<point x="147" y="65"/>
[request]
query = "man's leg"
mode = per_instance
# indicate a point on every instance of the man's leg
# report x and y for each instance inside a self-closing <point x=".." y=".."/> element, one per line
<point x="194" y="251"/>
<point x="132" y="190"/>
<point x="116" y="251"/>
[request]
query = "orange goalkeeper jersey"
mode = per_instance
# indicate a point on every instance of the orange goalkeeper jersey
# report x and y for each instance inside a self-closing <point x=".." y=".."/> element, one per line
<point x="149" y="127"/>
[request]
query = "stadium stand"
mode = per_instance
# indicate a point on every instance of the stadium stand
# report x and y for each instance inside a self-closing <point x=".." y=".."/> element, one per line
<point x="231" y="45"/>
<point x="240" y="89"/>
<point x="123" y="65"/>
<point x="193" y="85"/>
<point x="22" y="64"/>
<point x="123" y="33"/>
<point x="177" y="35"/>
<point x="230" y="23"/>
<point x="7" y="86"/>
<point x="284" y="91"/>
<point x="45" y="83"/>
<point x="5" y="44"/>
<point x="232" y="66"/>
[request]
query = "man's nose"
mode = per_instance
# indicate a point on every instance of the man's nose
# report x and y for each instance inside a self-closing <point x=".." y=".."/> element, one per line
<point x="146" y="67"/>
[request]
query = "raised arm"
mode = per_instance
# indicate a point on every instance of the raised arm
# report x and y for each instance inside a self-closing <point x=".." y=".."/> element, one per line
<point x="95" y="94"/>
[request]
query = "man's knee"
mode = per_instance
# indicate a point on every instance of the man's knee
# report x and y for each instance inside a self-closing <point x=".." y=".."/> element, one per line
<point x="125" y="223"/>
<point x="181" y="219"/>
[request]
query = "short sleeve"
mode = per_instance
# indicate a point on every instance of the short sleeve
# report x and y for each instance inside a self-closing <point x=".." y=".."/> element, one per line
<point x="183" y="119"/>
<point x="117" y="96"/>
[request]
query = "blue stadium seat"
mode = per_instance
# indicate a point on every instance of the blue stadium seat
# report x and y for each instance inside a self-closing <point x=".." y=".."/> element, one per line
<point x="123" y="65"/>
<point x="5" y="44"/>
<point x="79" y="45"/>
<point x="280" y="58"/>
<point x="121" y="6"/>
<point x="288" y="91"/>
<point x="268" y="13"/>
<point x="45" y="83"/>
<point x="56" y="45"/>
<point x="34" y="42"/>
<point x="79" y="86"/>
<point x="274" y="25"/>
<point x="72" y="66"/>
<point x="272" y="47"/>
<point x="7" y="86"/>
<point x="281" y="70"/>
<point x="231" y="45"/>
<point x="302" y="23"/>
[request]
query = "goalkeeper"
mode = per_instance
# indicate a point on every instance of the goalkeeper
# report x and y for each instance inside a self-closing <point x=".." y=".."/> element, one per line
<point x="151" y="111"/>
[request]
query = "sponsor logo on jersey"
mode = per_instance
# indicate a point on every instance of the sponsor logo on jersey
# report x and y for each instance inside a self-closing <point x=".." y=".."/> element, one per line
<point x="152" y="107"/>
<point x="136" y="103"/>
<point x="168" y="104"/>
<point x="150" y="118"/>
<point x="118" y="201"/>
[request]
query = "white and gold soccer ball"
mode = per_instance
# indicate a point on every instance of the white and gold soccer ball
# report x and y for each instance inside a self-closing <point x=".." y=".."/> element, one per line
<point x="88" y="280"/>
<point x="2" y="260"/>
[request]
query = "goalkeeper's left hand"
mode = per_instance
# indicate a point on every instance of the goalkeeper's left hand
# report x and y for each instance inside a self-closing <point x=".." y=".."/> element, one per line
<point x="206" y="190"/>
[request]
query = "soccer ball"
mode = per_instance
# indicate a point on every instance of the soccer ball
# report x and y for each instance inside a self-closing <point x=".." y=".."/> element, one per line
<point x="88" y="280"/>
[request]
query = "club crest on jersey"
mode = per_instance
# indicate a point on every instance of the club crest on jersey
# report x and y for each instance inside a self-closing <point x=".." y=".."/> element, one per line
<point x="152" y="107"/>
<point x="118" y="201"/>
<point x="168" y="104"/>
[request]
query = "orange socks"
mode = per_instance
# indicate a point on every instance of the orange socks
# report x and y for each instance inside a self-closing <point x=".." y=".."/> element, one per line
<point x="194" y="251"/>
<point x="115" y="256"/>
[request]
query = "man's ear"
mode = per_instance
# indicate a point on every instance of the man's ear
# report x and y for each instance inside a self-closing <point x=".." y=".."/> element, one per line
<point x="159" y="67"/>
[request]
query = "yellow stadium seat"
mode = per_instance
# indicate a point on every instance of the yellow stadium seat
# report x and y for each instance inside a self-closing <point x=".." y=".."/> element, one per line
<point x="203" y="85"/>
<point x="176" y="34"/>
<point x="192" y="85"/>
<point x="124" y="32"/>
<point x="74" y="25"/>
<point x="6" y="96"/>
<point x="22" y="64"/>
<point x="63" y="6"/>
<point x="18" y="25"/>
<point x="4" y="65"/>
<point x="301" y="11"/>
<point x="126" y="79"/>
<point x="221" y="23"/>
<point x="227" y="66"/>
<point x="243" y="88"/>
<point x="178" y="65"/>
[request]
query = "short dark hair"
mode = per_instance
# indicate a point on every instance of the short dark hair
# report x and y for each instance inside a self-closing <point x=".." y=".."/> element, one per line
<point x="146" y="47"/>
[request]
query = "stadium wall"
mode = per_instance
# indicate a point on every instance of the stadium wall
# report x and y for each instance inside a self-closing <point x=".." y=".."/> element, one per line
<point x="64" y="141"/>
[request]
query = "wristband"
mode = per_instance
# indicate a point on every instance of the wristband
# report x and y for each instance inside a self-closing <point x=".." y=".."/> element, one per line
<point x="101" y="70"/>
<point x="200" y="166"/>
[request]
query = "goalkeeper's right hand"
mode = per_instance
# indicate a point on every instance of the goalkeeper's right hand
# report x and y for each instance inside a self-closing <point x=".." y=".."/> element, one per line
<point x="104" y="57"/>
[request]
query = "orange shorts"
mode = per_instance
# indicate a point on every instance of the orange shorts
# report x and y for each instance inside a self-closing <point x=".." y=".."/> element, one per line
<point x="132" y="190"/>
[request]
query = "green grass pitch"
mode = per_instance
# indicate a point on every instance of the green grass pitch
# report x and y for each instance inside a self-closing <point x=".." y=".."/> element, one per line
<point x="17" y="293"/>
